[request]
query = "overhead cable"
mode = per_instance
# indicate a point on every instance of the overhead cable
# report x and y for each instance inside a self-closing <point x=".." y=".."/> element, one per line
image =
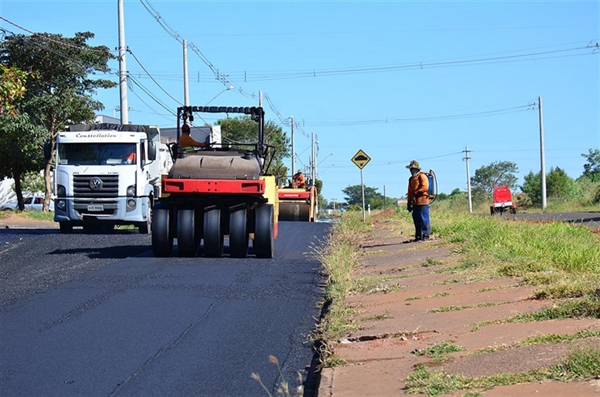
<point x="153" y="79"/>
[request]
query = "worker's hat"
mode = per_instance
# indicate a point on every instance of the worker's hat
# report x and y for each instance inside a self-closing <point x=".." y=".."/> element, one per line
<point x="414" y="164"/>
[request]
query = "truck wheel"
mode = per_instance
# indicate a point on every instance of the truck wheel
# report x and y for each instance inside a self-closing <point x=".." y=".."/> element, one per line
<point x="145" y="227"/>
<point x="213" y="238"/>
<point x="238" y="233"/>
<point x="65" y="227"/>
<point x="264" y="240"/>
<point x="162" y="239"/>
<point x="186" y="234"/>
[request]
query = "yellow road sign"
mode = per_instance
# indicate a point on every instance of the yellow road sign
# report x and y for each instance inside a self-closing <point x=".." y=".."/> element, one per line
<point x="361" y="159"/>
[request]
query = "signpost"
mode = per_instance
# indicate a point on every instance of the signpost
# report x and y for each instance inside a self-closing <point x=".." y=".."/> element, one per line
<point x="360" y="159"/>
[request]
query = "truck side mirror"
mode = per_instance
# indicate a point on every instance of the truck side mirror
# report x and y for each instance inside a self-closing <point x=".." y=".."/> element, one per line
<point x="151" y="151"/>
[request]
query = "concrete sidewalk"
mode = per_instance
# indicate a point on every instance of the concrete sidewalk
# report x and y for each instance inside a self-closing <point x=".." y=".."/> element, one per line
<point x="420" y="305"/>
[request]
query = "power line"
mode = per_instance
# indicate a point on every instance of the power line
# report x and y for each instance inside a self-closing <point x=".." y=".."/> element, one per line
<point x="152" y="96"/>
<point x="223" y="78"/>
<point x="414" y="65"/>
<point x="340" y="123"/>
<point x="591" y="48"/>
<point x="153" y="79"/>
<point x="46" y="37"/>
<point x="173" y="33"/>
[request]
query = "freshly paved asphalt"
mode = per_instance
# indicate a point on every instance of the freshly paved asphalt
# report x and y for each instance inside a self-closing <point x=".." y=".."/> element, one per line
<point x="97" y="315"/>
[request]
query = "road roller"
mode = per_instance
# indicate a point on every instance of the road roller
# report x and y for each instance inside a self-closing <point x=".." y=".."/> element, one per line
<point x="218" y="196"/>
<point x="298" y="204"/>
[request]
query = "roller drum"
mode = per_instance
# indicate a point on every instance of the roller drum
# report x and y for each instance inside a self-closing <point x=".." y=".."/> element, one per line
<point x="294" y="211"/>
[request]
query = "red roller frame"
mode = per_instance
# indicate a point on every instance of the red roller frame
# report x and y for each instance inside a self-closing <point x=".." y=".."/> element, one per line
<point x="213" y="186"/>
<point x="294" y="195"/>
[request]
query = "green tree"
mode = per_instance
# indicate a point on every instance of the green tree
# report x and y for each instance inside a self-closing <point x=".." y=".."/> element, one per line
<point x="354" y="195"/>
<point x="558" y="185"/>
<point x="245" y="130"/>
<point x="533" y="187"/>
<point x="591" y="169"/>
<point x="21" y="144"/>
<point x="12" y="88"/>
<point x="499" y="173"/>
<point x="33" y="182"/>
<point x="62" y="92"/>
<point x="322" y="200"/>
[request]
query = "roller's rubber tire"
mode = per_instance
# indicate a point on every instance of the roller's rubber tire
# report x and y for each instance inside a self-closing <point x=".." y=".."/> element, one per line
<point x="264" y="240"/>
<point x="186" y="233"/>
<point x="162" y="240"/>
<point x="238" y="233"/>
<point x="213" y="236"/>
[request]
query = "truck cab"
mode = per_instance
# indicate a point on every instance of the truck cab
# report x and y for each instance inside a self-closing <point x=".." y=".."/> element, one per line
<point x="106" y="175"/>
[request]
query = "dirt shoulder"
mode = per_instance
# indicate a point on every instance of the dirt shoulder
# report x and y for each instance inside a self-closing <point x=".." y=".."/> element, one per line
<point x="14" y="221"/>
<point x="418" y="305"/>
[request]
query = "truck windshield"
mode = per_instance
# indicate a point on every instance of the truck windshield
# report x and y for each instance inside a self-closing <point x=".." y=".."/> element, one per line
<point x="96" y="153"/>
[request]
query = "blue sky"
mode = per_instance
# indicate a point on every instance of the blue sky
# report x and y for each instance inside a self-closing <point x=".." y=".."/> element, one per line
<point x="398" y="80"/>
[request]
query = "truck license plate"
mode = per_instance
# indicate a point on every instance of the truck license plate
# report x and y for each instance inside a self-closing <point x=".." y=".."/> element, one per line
<point x="95" y="207"/>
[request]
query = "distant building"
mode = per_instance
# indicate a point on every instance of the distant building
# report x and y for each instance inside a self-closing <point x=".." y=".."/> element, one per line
<point x="100" y="118"/>
<point x="208" y="134"/>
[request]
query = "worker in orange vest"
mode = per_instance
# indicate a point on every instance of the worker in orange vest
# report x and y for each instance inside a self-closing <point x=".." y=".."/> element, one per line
<point x="298" y="180"/>
<point x="186" y="140"/>
<point x="418" y="201"/>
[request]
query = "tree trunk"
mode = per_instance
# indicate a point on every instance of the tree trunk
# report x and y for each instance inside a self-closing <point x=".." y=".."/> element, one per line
<point x="19" y="191"/>
<point x="48" y="182"/>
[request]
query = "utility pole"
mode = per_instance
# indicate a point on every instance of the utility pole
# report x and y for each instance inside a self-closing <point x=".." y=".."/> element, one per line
<point x="186" y="95"/>
<point x="468" y="178"/>
<point x="383" y="196"/>
<point x="542" y="156"/>
<point x="122" y="66"/>
<point x="260" y="98"/>
<point x="293" y="150"/>
<point x="313" y="159"/>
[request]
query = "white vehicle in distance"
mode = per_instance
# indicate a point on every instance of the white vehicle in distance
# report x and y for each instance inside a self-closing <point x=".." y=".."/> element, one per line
<point x="32" y="203"/>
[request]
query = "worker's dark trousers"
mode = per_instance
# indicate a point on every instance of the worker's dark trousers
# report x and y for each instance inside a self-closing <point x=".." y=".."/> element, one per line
<point x="420" y="216"/>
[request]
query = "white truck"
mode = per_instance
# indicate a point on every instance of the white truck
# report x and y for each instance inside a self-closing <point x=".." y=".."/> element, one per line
<point x="107" y="175"/>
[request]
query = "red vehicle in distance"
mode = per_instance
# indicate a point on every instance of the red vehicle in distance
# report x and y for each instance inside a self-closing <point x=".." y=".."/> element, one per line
<point x="503" y="201"/>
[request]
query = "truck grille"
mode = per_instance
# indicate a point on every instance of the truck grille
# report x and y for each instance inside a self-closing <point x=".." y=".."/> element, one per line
<point x="87" y="190"/>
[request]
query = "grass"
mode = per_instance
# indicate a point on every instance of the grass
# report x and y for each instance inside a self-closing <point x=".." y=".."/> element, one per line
<point x="375" y="284"/>
<point x="284" y="387"/>
<point x="438" y="295"/>
<point x="542" y="340"/>
<point x="454" y="308"/>
<point x="40" y="216"/>
<point x="377" y="317"/>
<point x="582" y="363"/>
<point x="439" y="350"/>
<point x="339" y="258"/>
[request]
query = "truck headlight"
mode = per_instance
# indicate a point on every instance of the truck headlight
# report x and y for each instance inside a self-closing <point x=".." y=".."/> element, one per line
<point x="131" y="191"/>
<point x="61" y="205"/>
<point x="61" y="191"/>
<point x="130" y="203"/>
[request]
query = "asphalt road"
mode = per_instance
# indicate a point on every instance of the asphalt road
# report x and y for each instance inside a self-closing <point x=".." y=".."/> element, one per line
<point x="97" y="315"/>
<point x="589" y="219"/>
